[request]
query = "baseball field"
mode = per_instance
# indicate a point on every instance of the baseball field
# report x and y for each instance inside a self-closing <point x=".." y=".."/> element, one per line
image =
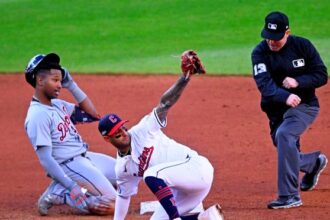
<point x="124" y="55"/>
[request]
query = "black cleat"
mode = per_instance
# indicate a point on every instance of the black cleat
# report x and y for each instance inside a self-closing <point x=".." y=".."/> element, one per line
<point x="285" y="202"/>
<point x="309" y="180"/>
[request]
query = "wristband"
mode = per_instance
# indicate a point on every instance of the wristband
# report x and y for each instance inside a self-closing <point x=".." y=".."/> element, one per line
<point x="77" y="93"/>
<point x="183" y="79"/>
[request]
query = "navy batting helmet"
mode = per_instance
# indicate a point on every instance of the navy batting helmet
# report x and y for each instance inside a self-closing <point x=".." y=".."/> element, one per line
<point x="41" y="61"/>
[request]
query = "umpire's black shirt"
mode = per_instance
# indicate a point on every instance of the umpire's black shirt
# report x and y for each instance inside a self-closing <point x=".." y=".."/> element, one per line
<point x="298" y="59"/>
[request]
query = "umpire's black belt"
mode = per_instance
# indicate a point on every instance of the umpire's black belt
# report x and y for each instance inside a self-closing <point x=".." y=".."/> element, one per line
<point x="72" y="158"/>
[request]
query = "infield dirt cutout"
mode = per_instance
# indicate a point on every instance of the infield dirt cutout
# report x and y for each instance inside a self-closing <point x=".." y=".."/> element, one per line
<point x="217" y="116"/>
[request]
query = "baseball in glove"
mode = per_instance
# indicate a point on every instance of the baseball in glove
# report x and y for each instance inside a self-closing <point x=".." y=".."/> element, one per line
<point x="191" y="64"/>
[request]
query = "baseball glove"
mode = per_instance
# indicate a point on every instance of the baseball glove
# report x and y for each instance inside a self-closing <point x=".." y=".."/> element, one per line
<point x="191" y="64"/>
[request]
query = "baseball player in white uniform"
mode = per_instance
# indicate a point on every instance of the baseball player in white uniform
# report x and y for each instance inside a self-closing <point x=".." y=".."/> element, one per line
<point x="81" y="179"/>
<point x="178" y="176"/>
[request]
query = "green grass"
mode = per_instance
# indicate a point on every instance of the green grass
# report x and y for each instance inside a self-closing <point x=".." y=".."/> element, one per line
<point x="139" y="36"/>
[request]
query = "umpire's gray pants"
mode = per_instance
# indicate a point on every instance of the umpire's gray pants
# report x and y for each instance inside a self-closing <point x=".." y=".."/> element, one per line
<point x="290" y="160"/>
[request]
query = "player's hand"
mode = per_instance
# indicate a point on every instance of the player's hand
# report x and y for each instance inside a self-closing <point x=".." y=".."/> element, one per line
<point x="290" y="83"/>
<point x="101" y="205"/>
<point x="67" y="80"/>
<point x="293" y="100"/>
<point x="78" y="197"/>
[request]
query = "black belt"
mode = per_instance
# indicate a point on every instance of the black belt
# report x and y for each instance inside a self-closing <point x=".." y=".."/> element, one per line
<point x="72" y="158"/>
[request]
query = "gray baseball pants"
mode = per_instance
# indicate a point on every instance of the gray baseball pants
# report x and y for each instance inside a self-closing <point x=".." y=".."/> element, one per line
<point x="290" y="159"/>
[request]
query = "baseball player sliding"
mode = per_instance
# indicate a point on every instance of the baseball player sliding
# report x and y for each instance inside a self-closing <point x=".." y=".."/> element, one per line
<point x="80" y="178"/>
<point x="178" y="176"/>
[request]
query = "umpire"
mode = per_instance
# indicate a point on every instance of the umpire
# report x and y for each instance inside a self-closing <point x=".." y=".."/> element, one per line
<point x="287" y="69"/>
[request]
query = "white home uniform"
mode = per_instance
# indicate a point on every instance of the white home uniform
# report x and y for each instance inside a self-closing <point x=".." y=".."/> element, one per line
<point x="188" y="174"/>
<point x="51" y="126"/>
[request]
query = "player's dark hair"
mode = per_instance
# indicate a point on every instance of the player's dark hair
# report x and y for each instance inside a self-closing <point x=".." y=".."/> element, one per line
<point x="43" y="72"/>
<point x="40" y="73"/>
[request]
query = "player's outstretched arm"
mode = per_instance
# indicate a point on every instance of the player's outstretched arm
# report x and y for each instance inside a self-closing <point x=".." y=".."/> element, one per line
<point x="84" y="101"/>
<point x="170" y="97"/>
<point x="190" y="65"/>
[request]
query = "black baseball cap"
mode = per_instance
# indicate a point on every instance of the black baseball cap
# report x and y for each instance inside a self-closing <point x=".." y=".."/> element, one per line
<point x="276" y="24"/>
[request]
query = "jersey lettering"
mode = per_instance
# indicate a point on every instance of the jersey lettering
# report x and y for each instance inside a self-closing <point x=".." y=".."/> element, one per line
<point x="259" y="68"/>
<point x="144" y="159"/>
<point x="63" y="127"/>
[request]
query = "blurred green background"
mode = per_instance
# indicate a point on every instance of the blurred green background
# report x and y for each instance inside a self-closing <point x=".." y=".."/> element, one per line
<point x="148" y="36"/>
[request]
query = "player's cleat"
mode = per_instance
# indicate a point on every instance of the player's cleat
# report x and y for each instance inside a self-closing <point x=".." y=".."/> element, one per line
<point x="214" y="212"/>
<point x="309" y="180"/>
<point x="44" y="203"/>
<point x="285" y="202"/>
<point x="46" y="200"/>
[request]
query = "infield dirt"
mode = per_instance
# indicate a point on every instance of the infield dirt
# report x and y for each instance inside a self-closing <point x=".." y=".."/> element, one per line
<point x="218" y="116"/>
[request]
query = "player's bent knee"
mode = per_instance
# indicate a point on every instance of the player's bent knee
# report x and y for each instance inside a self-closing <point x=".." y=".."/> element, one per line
<point x="149" y="172"/>
<point x="283" y="134"/>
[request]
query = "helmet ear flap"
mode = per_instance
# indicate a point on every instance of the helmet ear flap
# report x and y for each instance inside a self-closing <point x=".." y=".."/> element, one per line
<point x="31" y="79"/>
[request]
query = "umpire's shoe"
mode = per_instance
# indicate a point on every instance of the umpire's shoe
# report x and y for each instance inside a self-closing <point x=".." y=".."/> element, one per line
<point x="285" y="202"/>
<point x="309" y="180"/>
